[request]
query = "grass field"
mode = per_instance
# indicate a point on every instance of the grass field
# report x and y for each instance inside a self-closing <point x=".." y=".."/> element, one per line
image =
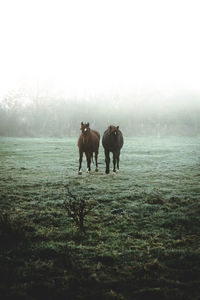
<point x="141" y="234"/>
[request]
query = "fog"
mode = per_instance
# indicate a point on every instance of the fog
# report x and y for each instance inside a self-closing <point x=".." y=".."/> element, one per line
<point x="130" y="63"/>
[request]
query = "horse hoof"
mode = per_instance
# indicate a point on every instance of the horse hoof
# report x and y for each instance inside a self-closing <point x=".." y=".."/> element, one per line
<point x="79" y="172"/>
<point x="88" y="171"/>
<point x="96" y="170"/>
<point x="117" y="171"/>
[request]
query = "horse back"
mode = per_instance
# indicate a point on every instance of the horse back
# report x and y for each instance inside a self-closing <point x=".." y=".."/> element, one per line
<point x="94" y="140"/>
<point x="97" y="133"/>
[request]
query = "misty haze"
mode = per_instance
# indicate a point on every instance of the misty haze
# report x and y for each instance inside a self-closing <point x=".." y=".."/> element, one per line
<point x="84" y="217"/>
<point x="156" y="113"/>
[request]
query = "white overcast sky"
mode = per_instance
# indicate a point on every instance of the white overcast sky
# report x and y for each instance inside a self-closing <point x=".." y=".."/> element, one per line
<point x="90" y="46"/>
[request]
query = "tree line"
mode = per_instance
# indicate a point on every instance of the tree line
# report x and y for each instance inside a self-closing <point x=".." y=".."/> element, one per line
<point x="54" y="116"/>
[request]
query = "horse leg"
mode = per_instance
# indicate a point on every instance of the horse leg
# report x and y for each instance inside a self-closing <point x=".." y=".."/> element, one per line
<point x="107" y="160"/>
<point x="118" y="161"/>
<point x="114" y="162"/>
<point x="80" y="162"/>
<point x="88" y="162"/>
<point x="96" y="161"/>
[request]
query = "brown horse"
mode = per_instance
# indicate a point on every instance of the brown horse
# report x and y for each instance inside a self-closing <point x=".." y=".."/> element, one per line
<point x="112" y="142"/>
<point x="88" y="142"/>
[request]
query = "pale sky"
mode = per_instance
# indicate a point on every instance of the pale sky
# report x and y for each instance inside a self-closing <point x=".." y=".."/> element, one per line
<point x="89" y="46"/>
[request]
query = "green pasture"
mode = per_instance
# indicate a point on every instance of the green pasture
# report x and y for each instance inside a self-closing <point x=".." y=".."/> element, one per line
<point x="141" y="237"/>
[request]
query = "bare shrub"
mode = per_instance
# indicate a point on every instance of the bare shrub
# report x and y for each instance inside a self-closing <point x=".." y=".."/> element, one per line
<point x="77" y="208"/>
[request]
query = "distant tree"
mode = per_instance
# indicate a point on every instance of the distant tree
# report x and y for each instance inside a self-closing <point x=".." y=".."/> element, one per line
<point x="12" y="108"/>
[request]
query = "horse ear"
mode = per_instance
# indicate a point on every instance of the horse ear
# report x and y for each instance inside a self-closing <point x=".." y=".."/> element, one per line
<point x="109" y="129"/>
<point x="117" y="127"/>
<point x="88" y="124"/>
<point x="81" y="123"/>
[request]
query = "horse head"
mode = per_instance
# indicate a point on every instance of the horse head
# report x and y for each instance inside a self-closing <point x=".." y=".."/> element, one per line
<point x="85" y="128"/>
<point x="113" y="130"/>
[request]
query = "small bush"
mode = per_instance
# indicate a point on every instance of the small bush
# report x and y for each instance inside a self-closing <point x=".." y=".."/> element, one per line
<point x="78" y="208"/>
